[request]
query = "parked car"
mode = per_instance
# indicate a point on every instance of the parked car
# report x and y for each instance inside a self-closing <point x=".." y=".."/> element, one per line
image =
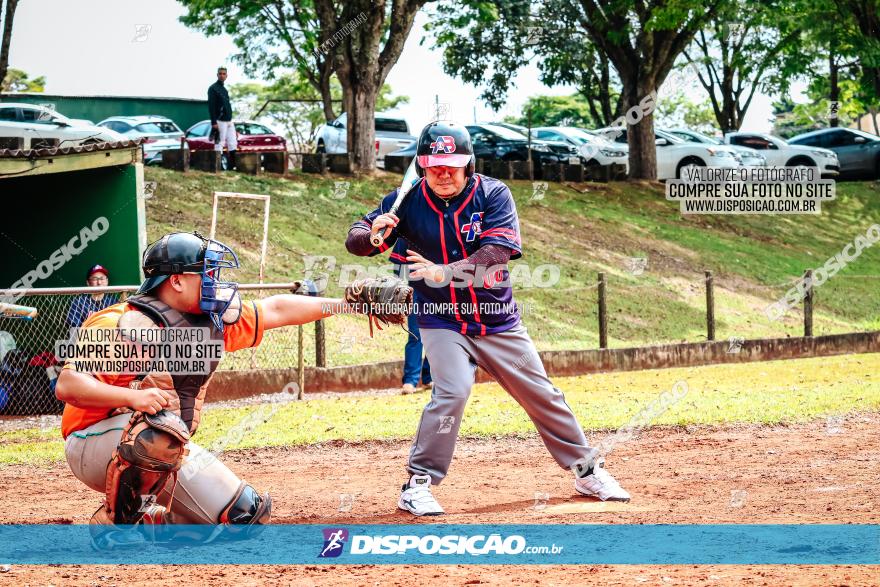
<point x="674" y="154"/>
<point x="590" y="147"/>
<point x="252" y="136"/>
<point x="497" y="142"/>
<point x="750" y="157"/>
<point x="857" y="151"/>
<point x="39" y="126"/>
<point x="159" y="133"/>
<point x="392" y="133"/>
<point x="779" y="153"/>
<point x="566" y="152"/>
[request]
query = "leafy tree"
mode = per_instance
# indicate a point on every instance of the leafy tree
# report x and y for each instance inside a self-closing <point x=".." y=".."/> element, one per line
<point x="792" y="118"/>
<point x="365" y="39"/>
<point x="748" y="45"/>
<point x="358" y="41"/>
<point x="18" y="81"/>
<point x="488" y="41"/>
<point x="7" y="14"/>
<point x="556" y="111"/>
<point x="273" y="38"/>
<point x="296" y="106"/>
<point x="679" y="110"/>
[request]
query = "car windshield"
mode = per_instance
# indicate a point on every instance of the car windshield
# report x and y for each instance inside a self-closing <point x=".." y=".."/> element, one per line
<point x="701" y="138"/>
<point x="504" y="133"/>
<point x="391" y="125"/>
<point x="580" y="137"/>
<point x="862" y="133"/>
<point x="251" y="128"/>
<point x="155" y="128"/>
<point x="669" y="137"/>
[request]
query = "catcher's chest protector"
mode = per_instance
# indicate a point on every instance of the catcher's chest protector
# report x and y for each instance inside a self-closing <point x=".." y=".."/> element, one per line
<point x="152" y="448"/>
<point x="187" y="390"/>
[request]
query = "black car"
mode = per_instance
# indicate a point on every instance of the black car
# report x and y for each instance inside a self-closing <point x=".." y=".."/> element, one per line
<point x="857" y="151"/>
<point x="497" y="142"/>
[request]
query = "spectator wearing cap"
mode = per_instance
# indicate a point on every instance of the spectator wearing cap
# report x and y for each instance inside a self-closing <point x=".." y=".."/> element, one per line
<point x="85" y="305"/>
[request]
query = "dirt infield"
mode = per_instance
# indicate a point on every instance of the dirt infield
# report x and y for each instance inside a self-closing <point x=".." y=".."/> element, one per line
<point x="822" y="472"/>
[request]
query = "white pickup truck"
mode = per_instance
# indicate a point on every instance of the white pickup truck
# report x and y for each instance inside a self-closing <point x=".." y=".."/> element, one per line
<point x="392" y="133"/>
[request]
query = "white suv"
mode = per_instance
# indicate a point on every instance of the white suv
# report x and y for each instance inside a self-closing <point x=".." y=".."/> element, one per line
<point x="674" y="154"/>
<point x="38" y="126"/>
<point x="392" y="134"/>
<point x="779" y="153"/>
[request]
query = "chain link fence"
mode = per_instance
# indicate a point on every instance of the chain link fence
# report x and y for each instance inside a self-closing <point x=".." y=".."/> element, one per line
<point x="29" y="368"/>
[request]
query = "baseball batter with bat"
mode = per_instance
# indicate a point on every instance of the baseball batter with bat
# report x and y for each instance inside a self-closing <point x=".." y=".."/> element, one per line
<point x="463" y="229"/>
<point x="128" y="434"/>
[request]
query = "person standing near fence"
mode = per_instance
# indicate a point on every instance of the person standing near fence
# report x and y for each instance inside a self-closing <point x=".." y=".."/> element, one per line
<point x="83" y="306"/>
<point x="462" y="228"/>
<point x="127" y="434"/>
<point x="220" y="110"/>
<point x="416" y="368"/>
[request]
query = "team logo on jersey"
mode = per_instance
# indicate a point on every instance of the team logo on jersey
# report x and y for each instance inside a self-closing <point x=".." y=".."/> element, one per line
<point x="474" y="227"/>
<point x="334" y="540"/>
<point x="443" y="143"/>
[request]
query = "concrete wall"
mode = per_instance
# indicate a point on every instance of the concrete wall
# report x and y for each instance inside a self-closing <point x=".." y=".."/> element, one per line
<point x="236" y="384"/>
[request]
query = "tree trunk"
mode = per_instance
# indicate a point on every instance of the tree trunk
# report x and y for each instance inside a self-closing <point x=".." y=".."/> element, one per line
<point x="362" y="127"/>
<point x="640" y="135"/>
<point x="8" y="18"/>
<point x="326" y="95"/>
<point x="834" y="94"/>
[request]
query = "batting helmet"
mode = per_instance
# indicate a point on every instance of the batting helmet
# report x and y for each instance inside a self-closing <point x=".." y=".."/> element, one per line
<point x="447" y="144"/>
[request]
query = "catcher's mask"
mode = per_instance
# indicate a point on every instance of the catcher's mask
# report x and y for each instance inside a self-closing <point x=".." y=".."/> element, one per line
<point x="182" y="252"/>
<point x="445" y="144"/>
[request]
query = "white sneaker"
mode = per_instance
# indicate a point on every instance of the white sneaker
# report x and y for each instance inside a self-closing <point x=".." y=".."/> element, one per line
<point x="416" y="497"/>
<point x="601" y="484"/>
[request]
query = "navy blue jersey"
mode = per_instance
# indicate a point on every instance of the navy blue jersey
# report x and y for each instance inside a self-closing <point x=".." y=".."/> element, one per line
<point x="447" y="231"/>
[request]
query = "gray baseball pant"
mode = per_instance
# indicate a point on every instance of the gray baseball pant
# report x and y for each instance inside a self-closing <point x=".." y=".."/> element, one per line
<point x="511" y="359"/>
<point x="205" y="486"/>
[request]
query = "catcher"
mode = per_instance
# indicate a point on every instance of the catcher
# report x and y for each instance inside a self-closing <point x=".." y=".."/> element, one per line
<point x="128" y="434"/>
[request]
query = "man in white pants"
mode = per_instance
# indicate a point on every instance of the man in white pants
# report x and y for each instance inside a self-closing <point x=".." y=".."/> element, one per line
<point x="220" y="109"/>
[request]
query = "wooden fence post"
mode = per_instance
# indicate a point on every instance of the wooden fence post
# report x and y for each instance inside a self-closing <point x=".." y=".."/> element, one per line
<point x="808" y="303"/>
<point x="320" y="345"/>
<point x="603" y="314"/>
<point x="710" y="307"/>
<point x="300" y="367"/>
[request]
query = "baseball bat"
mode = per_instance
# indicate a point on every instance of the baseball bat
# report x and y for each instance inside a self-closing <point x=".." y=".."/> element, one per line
<point x="13" y="311"/>
<point x="409" y="178"/>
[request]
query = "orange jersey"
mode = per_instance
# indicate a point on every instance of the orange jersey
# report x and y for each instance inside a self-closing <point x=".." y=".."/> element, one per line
<point x="246" y="333"/>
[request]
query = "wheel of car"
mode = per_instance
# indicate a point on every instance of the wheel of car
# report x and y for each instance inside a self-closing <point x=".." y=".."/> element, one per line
<point x="801" y="162"/>
<point x="321" y="148"/>
<point x="688" y="162"/>
<point x="224" y="162"/>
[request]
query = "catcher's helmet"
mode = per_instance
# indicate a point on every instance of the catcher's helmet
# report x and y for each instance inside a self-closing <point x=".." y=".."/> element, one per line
<point x="182" y="252"/>
<point x="447" y="144"/>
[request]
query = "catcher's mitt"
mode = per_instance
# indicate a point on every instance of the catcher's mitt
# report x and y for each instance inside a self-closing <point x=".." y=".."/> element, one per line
<point x="386" y="300"/>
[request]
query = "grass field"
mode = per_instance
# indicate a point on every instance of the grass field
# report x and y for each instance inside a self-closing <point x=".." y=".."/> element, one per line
<point x="755" y="259"/>
<point x="766" y="393"/>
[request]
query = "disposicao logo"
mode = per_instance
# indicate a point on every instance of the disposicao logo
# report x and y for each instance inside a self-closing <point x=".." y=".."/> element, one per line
<point x="334" y="541"/>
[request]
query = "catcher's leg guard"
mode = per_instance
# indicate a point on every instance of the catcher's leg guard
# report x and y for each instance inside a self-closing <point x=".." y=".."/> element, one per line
<point x="247" y="509"/>
<point x="149" y="454"/>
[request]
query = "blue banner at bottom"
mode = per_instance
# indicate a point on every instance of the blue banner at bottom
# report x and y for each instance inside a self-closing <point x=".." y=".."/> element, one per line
<point x="445" y="544"/>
